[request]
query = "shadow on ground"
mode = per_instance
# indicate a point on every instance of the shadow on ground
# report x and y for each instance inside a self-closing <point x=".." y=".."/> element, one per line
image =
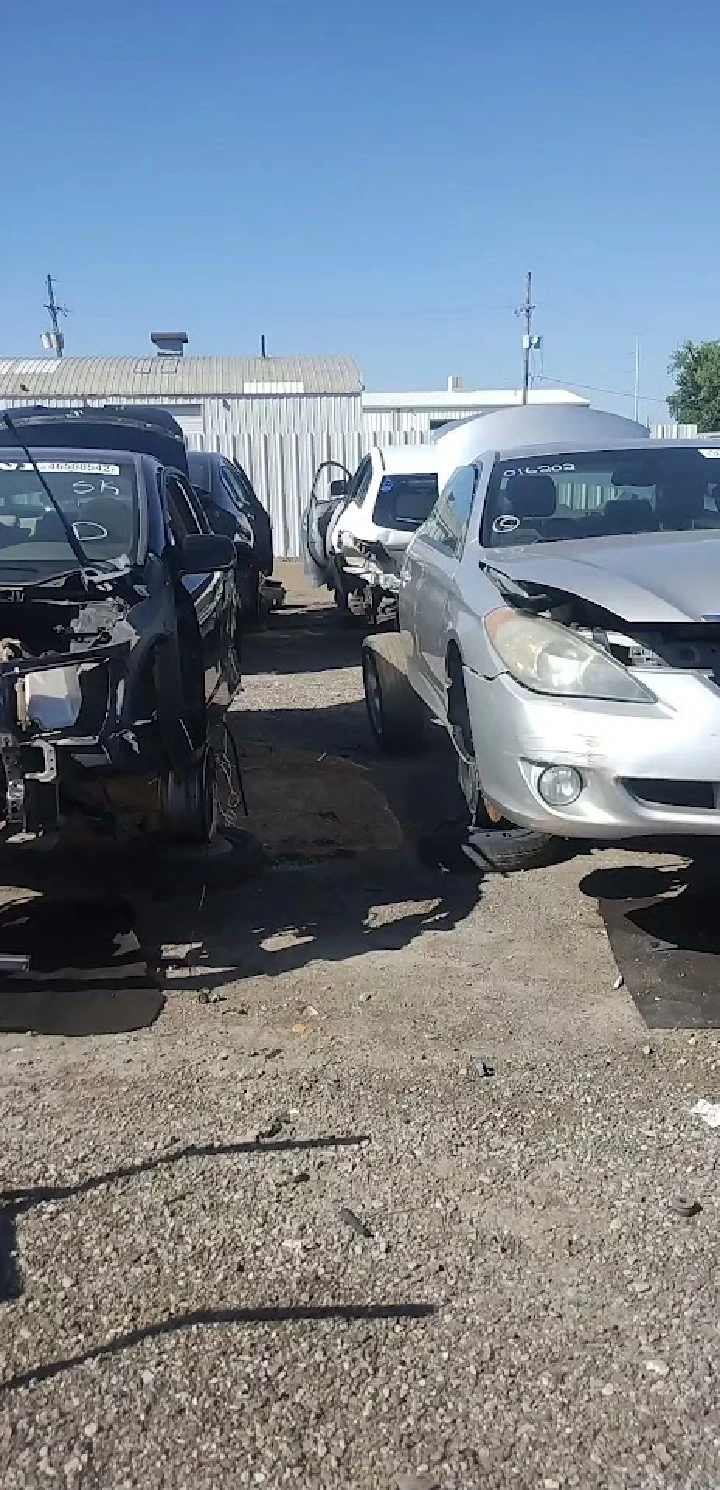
<point x="420" y="788"/>
<point x="664" y="930"/>
<point x="306" y="639"/>
<point x="204" y="1318"/>
<point x="321" y="913"/>
<point x="14" y="1203"/>
<point x="277" y="922"/>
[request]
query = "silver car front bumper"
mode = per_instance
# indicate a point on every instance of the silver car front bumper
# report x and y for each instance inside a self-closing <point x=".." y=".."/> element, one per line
<point x="637" y="761"/>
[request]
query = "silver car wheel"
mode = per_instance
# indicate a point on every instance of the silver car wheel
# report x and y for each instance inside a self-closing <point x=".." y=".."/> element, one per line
<point x="373" y="695"/>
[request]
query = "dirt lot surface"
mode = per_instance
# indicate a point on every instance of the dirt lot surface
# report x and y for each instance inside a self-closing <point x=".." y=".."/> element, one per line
<point x="397" y="1190"/>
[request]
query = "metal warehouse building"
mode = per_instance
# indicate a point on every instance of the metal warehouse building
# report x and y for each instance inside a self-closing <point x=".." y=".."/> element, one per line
<point x="414" y="418"/>
<point x="280" y="417"/>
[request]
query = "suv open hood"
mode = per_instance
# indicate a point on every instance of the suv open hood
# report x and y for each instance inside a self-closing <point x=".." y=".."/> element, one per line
<point x="649" y="577"/>
<point x="132" y="427"/>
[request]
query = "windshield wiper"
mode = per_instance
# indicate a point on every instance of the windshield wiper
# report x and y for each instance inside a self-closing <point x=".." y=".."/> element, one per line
<point x="70" y="533"/>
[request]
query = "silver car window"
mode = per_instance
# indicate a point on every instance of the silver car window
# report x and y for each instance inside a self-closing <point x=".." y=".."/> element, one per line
<point x="448" y="522"/>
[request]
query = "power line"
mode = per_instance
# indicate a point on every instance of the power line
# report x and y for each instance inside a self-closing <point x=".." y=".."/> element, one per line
<point x="609" y="392"/>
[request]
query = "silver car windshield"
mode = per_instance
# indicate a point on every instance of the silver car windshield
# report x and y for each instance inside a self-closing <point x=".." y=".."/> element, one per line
<point x="99" y="497"/>
<point x="602" y="494"/>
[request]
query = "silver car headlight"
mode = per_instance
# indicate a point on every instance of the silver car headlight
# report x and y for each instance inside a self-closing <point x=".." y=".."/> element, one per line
<point x="548" y="658"/>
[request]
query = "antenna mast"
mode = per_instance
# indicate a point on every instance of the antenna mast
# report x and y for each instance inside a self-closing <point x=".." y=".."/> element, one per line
<point x="530" y="342"/>
<point x="54" y="340"/>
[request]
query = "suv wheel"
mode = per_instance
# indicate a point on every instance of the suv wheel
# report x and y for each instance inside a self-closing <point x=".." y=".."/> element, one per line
<point x="188" y="801"/>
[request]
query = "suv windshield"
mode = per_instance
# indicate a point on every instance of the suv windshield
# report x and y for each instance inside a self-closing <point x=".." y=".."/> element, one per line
<point x="545" y="499"/>
<point x="404" y="502"/>
<point x="98" y="497"/>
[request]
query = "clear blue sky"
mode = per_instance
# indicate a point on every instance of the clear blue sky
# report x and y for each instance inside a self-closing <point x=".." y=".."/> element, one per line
<point x="371" y="178"/>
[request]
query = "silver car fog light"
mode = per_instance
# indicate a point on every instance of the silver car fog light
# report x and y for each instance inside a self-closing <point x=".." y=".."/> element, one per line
<point x="560" y="786"/>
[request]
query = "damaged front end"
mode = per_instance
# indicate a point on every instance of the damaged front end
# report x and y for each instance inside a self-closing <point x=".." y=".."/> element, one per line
<point x="593" y="723"/>
<point x="372" y="578"/>
<point x="678" y="645"/>
<point x="75" y="699"/>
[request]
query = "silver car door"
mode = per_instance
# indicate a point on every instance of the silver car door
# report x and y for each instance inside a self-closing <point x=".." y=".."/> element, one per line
<point x="443" y="537"/>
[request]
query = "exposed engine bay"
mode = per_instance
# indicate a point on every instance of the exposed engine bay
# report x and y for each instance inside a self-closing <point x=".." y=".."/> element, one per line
<point x="118" y="627"/>
<point x="672" y="645"/>
<point x="64" y="648"/>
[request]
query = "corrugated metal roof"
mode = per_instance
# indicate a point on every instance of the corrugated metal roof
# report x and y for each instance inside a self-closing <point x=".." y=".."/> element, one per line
<point x="176" y="377"/>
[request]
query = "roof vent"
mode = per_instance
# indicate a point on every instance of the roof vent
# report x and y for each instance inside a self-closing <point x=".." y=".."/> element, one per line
<point x="169" y="343"/>
<point x="454" y="383"/>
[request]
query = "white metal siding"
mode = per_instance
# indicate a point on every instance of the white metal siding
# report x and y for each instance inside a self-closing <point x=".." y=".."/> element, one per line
<point x="674" y="431"/>
<point x="280" y="442"/>
<point x="191" y="419"/>
<point x="412" y="426"/>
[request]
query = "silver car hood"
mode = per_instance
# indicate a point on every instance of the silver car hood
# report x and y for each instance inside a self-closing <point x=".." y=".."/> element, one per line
<point x="646" y="577"/>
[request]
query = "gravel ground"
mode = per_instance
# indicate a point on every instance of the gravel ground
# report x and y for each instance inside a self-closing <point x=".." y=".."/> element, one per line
<point x="390" y="1195"/>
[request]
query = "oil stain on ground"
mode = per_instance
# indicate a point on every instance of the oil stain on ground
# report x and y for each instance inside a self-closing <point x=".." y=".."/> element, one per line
<point x="87" y="972"/>
<point x="666" y="945"/>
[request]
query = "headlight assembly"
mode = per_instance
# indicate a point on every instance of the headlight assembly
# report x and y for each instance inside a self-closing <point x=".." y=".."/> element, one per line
<point x="549" y="658"/>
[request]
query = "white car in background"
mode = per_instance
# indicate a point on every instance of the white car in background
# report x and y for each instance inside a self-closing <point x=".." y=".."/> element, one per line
<point x="356" y="538"/>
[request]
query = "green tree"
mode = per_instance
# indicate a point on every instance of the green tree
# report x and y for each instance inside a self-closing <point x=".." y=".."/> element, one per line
<point x="695" y="367"/>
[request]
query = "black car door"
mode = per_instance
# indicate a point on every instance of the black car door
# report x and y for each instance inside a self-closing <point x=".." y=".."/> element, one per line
<point x="238" y="484"/>
<point x="210" y="594"/>
<point x="227" y="515"/>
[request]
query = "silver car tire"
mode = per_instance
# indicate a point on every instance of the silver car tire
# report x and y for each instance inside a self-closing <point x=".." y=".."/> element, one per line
<point x="395" y="713"/>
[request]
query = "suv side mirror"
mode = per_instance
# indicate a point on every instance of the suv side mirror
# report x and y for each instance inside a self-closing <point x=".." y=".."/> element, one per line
<point x="338" y="488"/>
<point x="205" y="553"/>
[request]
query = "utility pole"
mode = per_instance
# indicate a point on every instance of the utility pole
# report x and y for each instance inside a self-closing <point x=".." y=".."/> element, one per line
<point x="54" y="340"/>
<point x="637" y="379"/>
<point x="530" y="343"/>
